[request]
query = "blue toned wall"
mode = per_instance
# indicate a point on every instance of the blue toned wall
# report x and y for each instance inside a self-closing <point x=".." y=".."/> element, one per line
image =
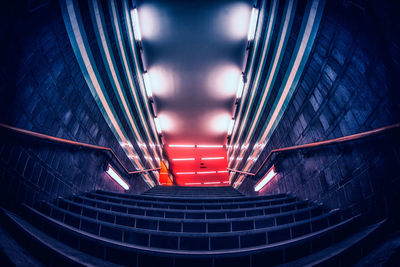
<point x="43" y="90"/>
<point x="349" y="85"/>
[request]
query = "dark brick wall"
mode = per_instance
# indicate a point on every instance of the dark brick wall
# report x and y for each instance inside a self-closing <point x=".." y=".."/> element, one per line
<point x="43" y="90"/>
<point x="350" y="85"/>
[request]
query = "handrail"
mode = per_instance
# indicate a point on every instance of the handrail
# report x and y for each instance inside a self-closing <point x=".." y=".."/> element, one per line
<point x="339" y="140"/>
<point x="72" y="143"/>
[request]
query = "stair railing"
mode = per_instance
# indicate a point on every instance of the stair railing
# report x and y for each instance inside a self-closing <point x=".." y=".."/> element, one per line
<point x="57" y="140"/>
<point x="334" y="141"/>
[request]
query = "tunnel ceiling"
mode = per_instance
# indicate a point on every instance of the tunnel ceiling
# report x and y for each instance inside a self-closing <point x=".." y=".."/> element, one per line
<point x="194" y="52"/>
<point x="179" y="63"/>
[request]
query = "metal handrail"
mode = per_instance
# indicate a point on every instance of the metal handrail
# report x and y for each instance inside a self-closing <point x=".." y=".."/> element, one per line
<point x="339" y="140"/>
<point x="58" y="140"/>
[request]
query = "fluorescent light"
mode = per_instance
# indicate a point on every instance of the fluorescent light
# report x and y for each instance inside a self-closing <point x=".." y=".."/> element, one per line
<point x="110" y="171"/>
<point x="230" y="128"/>
<point x="147" y="84"/>
<point x="191" y="183"/>
<point x="267" y="177"/>
<point x="212" y="182"/>
<point x="135" y="24"/>
<point x="185" y="173"/>
<point x="181" y="145"/>
<point x="222" y="171"/>
<point x="211" y="158"/>
<point x="206" y="172"/>
<point x="210" y="146"/>
<point x="183" y="159"/>
<point x="252" y="26"/>
<point x="158" y="126"/>
<point x="240" y="87"/>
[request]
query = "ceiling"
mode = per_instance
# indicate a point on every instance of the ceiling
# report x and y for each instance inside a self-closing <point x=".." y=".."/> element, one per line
<point x="194" y="53"/>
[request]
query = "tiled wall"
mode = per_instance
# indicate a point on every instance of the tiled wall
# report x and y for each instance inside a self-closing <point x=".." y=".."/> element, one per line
<point x="43" y="90"/>
<point x="349" y="85"/>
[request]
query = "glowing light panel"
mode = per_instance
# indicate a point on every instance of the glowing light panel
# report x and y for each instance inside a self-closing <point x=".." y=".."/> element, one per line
<point x="210" y="146"/>
<point x="158" y="126"/>
<point x="136" y="25"/>
<point x="230" y="128"/>
<point x="181" y="145"/>
<point x="113" y="174"/>
<point x="212" y="158"/>
<point x="252" y="26"/>
<point x="267" y="177"/>
<point x="206" y="172"/>
<point x="147" y="84"/>
<point x="239" y="91"/>
<point x="183" y="159"/>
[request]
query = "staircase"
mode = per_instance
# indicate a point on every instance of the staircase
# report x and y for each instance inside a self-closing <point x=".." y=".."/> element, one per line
<point x="187" y="226"/>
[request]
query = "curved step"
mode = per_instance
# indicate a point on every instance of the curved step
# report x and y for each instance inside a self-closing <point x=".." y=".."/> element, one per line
<point x="172" y="208"/>
<point x="51" y="250"/>
<point x="336" y="254"/>
<point x="166" y="204"/>
<point x="326" y="234"/>
<point x="178" y="224"/>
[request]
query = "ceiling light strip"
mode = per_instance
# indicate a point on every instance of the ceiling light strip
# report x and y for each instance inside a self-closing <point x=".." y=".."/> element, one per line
<point x="183" y="159"/>
<point x="303" y="47"/>
<point x="83" y="55"/>
<point x="272" y="72"/>
<point x="114" y="76"/>
<point x="151" y="137"/>
<point x="187" y="146"/>
<point x="210" y="146"/>
<point x="265" y="47"/>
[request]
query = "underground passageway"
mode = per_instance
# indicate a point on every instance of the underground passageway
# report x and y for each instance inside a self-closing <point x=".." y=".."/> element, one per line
<point x="199" y="133"/>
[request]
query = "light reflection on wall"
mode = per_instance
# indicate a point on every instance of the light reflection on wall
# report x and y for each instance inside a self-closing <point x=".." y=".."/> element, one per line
<point x="151" y="21"/>
<point x="233" y="21"/>
<point x="167" y="122"/>
<point x="219" y="122"/>
<point x="223" y="80"/>
<point x="162" y="81"/>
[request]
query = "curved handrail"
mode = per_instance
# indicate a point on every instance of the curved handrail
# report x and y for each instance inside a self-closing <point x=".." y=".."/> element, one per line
<point x="339" y="140"/>
<point x="58" y="140"/>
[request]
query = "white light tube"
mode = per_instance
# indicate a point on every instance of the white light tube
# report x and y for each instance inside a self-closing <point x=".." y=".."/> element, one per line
<point x="135" y="24"/>
<point x="267" y="177"/>
<point x="110" y="171"/>
<point x="240" y="87"/>
<point x="212" y="158"/>
<point x="210" y="146"/>
<point x="252" y="26"/>
<point x="181" y="159"/>
<point x="158" y="126"/>
<point x="212" y="182"/>
<point x="230" y="128"/>
<point x="181" y="145"/>
<point x="147" y="84"/>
